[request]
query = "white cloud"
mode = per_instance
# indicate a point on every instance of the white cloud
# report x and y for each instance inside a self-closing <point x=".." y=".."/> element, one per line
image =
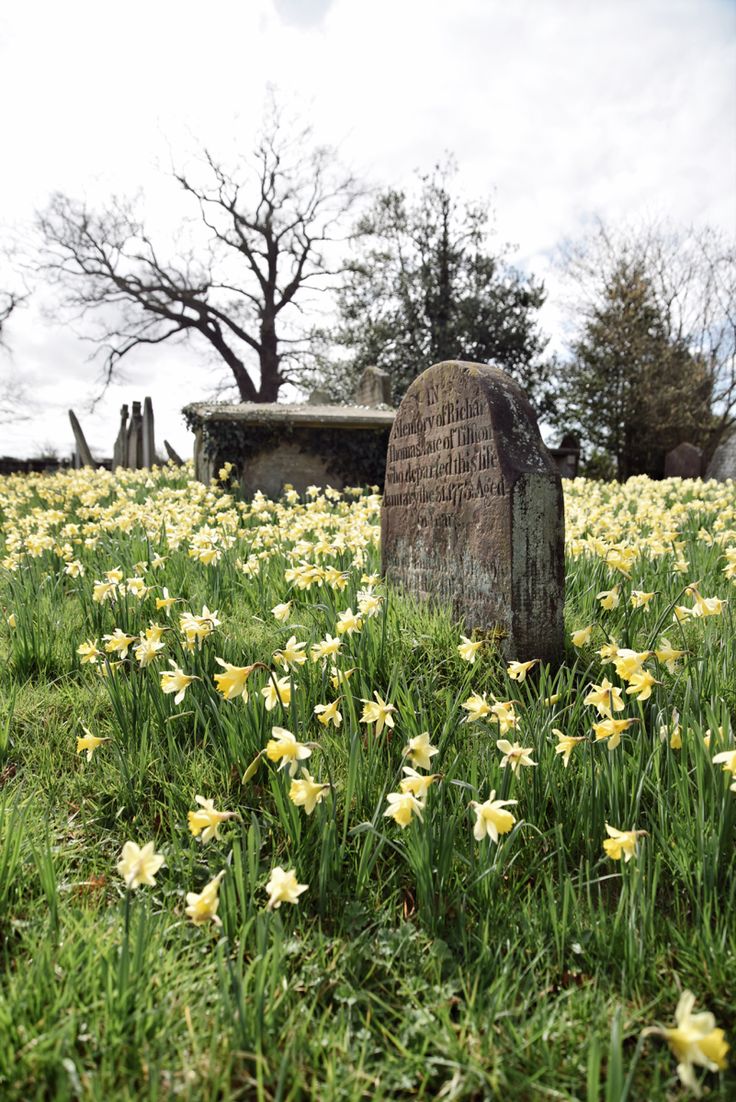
<point x="563" y="108"/>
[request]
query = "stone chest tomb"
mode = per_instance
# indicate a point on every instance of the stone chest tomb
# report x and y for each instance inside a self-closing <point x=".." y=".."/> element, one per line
<point x="473" y="509"/>
<point x="274" y="444"/>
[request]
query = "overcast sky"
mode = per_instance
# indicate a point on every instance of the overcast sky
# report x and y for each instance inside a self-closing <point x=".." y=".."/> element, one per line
<point x="559" y="110"/>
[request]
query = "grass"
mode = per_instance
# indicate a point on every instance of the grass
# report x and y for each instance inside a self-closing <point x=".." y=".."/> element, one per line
<point x="419" y="963"/>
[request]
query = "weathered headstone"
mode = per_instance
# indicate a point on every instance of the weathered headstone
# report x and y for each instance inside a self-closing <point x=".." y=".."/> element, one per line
<point x="83" y="454"/>
<point x="374" y="388"/>
<point x="723" y="464"/>
<point x="319" y="397"/>
<point x="473" y="512"/>
<point x="173" y="455"/>
<point x="148" y="442"/>
<point x="120" y="447"/>
<point x="684" y="461"/>
<point x="135" y="443"/>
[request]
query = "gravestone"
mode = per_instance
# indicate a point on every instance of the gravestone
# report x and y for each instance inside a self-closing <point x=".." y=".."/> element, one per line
<point x="684" y="461"/>
<point x="374" y="388"/>
<point x="273" y="444"/>
<point x="723" y="464"/>
<point x="120" y="447"/>
<point x="83" y="456"/>
<point x="148" y="442"/>
<point x="135" y="438"/>
<point x="473" y="512"/>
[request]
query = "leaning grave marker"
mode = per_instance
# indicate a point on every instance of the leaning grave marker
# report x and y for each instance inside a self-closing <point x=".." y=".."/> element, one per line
<point x="473" y="511"/>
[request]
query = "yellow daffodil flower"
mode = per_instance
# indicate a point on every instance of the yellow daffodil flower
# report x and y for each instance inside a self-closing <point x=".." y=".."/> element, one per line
<point x="515" y="755"/>
<point x="402" y="807"/>
<point x="468" y="649"/>
<point x="420" y="751"/>
<point x="621" y="843"/>
<point x="285" y="748"/>
<point x="378" y="712"/>
<point x="306" y="792"/>
<point x="283" y="888"/>
<point x="206" y="821"/>
<point x="203" y="907"/>
<point x="139" y="865"/>
<point x="491" y="818"/>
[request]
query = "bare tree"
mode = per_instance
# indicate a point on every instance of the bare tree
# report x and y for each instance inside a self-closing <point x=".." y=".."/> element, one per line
<point x="12" y="394"/>
<point x="266" y="231"/>
<point x="691" y="278"/>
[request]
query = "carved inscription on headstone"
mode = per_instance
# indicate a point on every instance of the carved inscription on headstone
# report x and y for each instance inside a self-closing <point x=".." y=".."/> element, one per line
<point x="472" y="509"/>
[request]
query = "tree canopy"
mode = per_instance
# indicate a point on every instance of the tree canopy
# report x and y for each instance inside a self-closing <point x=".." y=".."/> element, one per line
<point x="651" y="362"/>
<point x="424" y="286"/>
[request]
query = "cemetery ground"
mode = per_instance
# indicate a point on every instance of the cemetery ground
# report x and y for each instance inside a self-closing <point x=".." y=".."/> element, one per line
<point x="269" y="830"/>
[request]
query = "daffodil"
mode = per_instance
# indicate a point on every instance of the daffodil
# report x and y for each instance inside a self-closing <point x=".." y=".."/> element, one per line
<point x="291" y="655"/>
<point x="667" y="654"/>
<point x="276" y="691"/>
<point x="418" y="784"/>
<point x="640" y="684"/>
<point x="477" y="707"/>
<point x="282" y="612"/>
<point x="203" y="907"/>
<point x="166" y="602"/>
<point x="89" y="743"/>
<point x="233" y="683"/>
<point x="378" y="712"/>
<point x="629" y="662"/>
<point x="306" y="792"/>
<point x="328" y="713"/>
<point x="206" y="821"/>
<point x="468" y="649"/>
<point x="695" y="1041"/>
<point x="326" y="648"/>
<point x="727" y="758"/>
<point x="492" y="818"/>
<point x="118" y="642"/>
<point x="147" y="651"/>
<point x="139" y="865"/>
<point x="609" y="598"/>
<point x="402" y="807"/>
<point x="283" y="888"/>
<point x="420" y="751"/>
<point x="517" y="671"/>
<point x="565" y="744"/>
<point x="611" y="729"/>
<point x="504" y="713"/>
<point x="89" y="652"/>
<point x="639" y="598"/>
<point x="176" y="681"/>
<point x="605" y="698"/>
<point x="348" y="622"/>
<point x="581" y="637"/>
<point x="515" y="755"/>
<point x="286" y="749"/>
<point x="621" y="843"/>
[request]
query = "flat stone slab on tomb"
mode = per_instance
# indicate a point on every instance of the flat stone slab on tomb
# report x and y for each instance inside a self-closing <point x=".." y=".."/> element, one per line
<point x="273" y="444"/>
<point x="473" y="510"/>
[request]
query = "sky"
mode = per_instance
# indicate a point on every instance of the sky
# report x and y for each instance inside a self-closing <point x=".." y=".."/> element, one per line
<point x="558" y="111"/>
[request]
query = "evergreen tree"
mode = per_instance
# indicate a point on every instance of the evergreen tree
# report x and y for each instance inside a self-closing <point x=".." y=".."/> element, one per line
<point x="425" y="288"/>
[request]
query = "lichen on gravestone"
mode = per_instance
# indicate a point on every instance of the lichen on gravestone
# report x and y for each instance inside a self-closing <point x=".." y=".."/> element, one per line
<point x="473" y="511"/>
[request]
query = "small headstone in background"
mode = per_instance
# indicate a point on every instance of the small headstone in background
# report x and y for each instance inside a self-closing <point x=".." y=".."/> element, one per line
<point x="148" y="443"/>
<point x="173" y="455"/>
<point x="684" y="461"/>
<point x="83" y="456"/>
<point x="473" y="511"/>
<point x="135" y="443"/>
<point x="374" y="388"/>
<point x="120" y="447"/>
<point x="723" y="463"/>
<point x="319" y="397"/>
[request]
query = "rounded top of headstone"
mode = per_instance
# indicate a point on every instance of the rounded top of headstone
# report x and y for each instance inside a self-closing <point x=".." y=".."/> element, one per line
<point x="450" y="384"/>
